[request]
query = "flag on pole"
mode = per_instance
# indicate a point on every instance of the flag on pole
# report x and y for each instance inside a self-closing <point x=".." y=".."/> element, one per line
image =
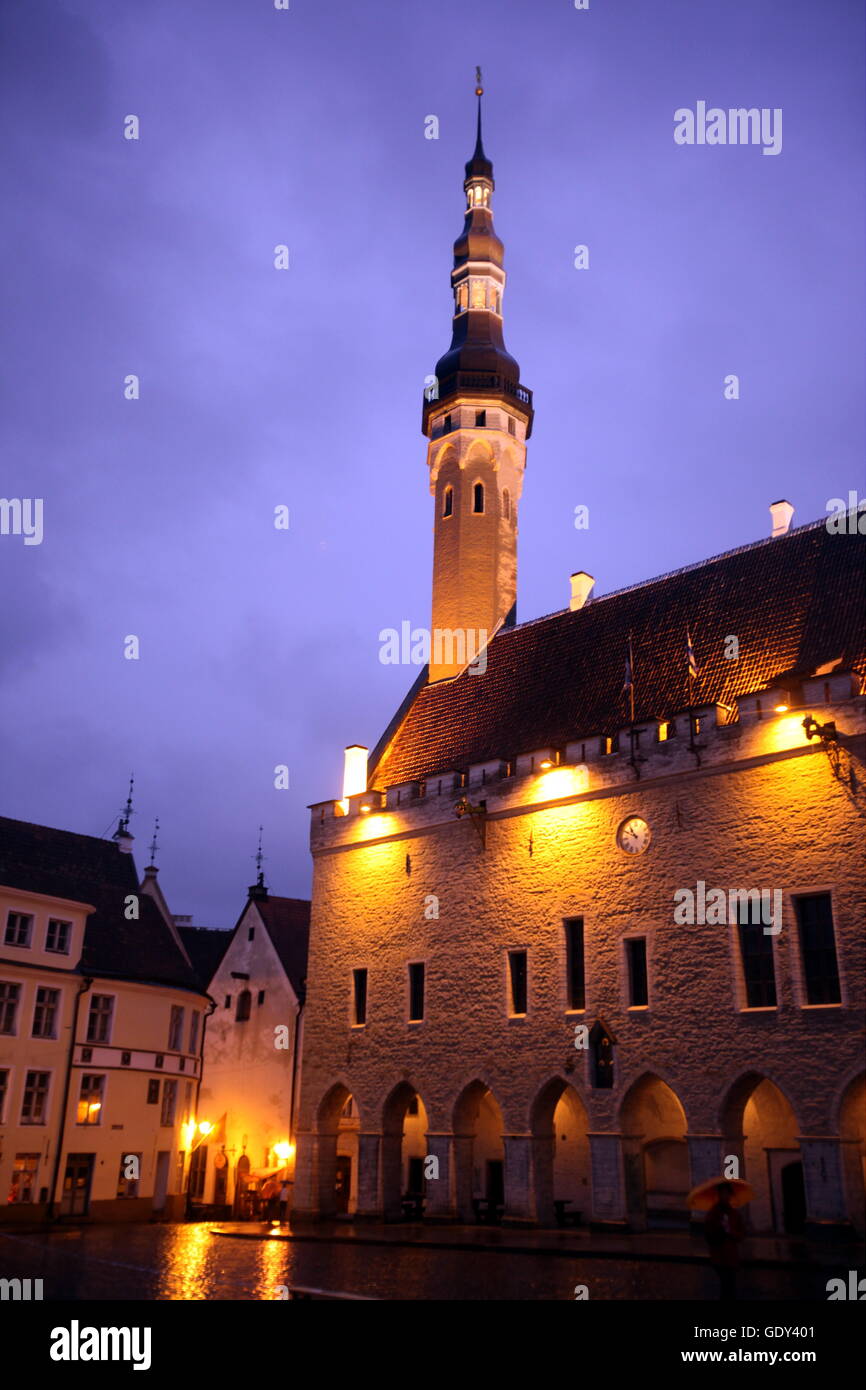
<point x="694" y="672"/>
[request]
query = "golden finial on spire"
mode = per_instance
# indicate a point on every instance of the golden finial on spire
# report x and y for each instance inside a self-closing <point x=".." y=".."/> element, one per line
<point x="479" y="90"/>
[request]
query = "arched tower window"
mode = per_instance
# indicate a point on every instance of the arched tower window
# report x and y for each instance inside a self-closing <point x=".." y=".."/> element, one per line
<point x="448" y="502"/>
<point x="478" y="497"/>
<point x="242" y="1008"/>
<point x="506" y="504"/>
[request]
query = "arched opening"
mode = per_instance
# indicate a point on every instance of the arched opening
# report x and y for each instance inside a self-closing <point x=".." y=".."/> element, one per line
<point x="852" y="1132"/>
<point x="404" y="1148"/>
<point x="338" y="1123"/>
<point x="479" y="1154"/>
<point x="448" y="501"/>
<point x="655" y="1152"/>
<point x="760" y="1127"/>
<point x="562" y="1158"/>
<point x="478" y="498"/>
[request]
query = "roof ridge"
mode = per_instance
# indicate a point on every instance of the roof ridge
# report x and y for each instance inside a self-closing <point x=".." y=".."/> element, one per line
<point x="668" y="574"/>
<point x="56" y="830"/>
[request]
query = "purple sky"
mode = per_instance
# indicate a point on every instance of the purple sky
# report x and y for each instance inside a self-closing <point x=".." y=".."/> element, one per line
<point x="303" y="387"/>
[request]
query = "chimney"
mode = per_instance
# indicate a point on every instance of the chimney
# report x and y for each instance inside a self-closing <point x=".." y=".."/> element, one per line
<point x="581" y="588"/>
<point x="781" y="513"/>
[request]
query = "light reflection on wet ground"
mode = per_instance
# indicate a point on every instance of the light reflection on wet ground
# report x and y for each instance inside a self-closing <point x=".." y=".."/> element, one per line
<point x="187" y="1262"/>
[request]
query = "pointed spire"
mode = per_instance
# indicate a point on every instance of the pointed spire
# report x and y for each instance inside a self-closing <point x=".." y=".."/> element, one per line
<point x="479" y="166"/>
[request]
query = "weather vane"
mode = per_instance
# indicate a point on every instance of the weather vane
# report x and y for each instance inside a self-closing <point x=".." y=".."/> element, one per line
<point x="260" y="858"/>
<point x="479" y="90"/>
<point x="128" y="812"/>
<point x="152" y="845"/>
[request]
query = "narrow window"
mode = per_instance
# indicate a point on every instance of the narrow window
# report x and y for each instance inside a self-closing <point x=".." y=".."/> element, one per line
<point x="19" y="925"/>
<point x="261" y="996"/>
<point x="58" y="936"/>
<point x="4" y="1090"/>
<point x="359" y="987"/>
<point x="242" y="1008"/>
<point x="193" y="1030"/>
<point x="609" y="744"/>
<point x="125" y="1059"/>
<point x="478" y="498"/>
<point x="169" y="1100"/>
<point x="756" y="954"/>
<point x="153" y="1091"/>
<point x="575" y="974"/>
<point x="517" y="980"/>
<point x="45" y="1012"/>
<point x="90" y="1100"/>
<point x="228" y="1003"/>
<point x="637" y="981"/>
<point x="99" y="1018"/>
<point x="175" y="1028"/>
<point x="481" y="419"/>
<point x="251" y="934"/>
<point x="448" y="502"/>
<point x="416" y="993"/>
<point x="447" y="426"/>
<point x="818" y="948"/>
<point x="506" y="504"/>
<point x="34" y="1104"/>
<point x="512" y="429"/>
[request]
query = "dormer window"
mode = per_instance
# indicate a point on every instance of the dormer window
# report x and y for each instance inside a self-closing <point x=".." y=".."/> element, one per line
<point x="448" y="502"/>
<point x="478" y="498"/>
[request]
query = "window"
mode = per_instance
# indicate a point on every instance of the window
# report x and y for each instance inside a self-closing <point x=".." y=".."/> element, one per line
<point x="127" y="1186"/>
<point x="159" y="1059"/>
<point x="34" y="1106"/>
<point x="447" y="425"/>
<point x="99" y="1018"/>
<point x="90" y="1099"/>
<point x="511" y="426"/>
<point x="228" y="1003"/>
<point x="818" y="948"/>
<point x="193" y="1030"/>
<point x="416" y="992"/>
<point x="261" y="998"/>
<point x="45" y="1013"/>
<point x="175" y="1028"/>
<point x="359" y="991"/>
<point x="506" y="504"/>
<point x="480" y="419"/>
<point x="169" y="1101"/>
<point x="23" y="1183"/>
<point x="478" y="498"/>
<point x="153" y="1091"/>
<point x="666" y="729"/>
<point x="58" y="936"/>
<point x="635" y="948"/>
<point x="609" y="744"/>
<point x="251" y="934"/>
<point x="125" y="1059"/>
<point x="19" y="926"/>
<point x="4" y="1091"/>
<point x="517" y="981"/>
<point x="448" y="502"/>
<point x="181" y="1159"/>
<point x="575" y="963"/>
<point x="9" y="996"/>
<point x="756" y="954"/>
<point x="242" y="1008"/>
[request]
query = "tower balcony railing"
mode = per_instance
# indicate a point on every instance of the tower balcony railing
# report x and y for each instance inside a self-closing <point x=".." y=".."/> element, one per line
<point x="478" y="383"/>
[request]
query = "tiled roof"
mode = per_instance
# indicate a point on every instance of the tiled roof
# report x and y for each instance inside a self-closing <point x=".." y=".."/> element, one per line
<point x="288" y="924"/>
<point x="205" y="947"/>
<point x="39" y="859"/>
<point x="794" y="602"/>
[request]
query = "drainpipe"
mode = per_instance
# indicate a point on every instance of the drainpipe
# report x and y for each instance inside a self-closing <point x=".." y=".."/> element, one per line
<point x="86" y="984"/>
<point x="295" y="1050"/>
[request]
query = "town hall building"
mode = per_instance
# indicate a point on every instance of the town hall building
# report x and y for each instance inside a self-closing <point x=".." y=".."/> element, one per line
<point x="589" y="918"/>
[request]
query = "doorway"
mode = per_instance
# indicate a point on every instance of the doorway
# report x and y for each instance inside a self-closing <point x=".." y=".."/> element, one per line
<point x="76" y="1185"/>
<point x="342" y="1184"/>
<point x="160" y="1185"/>
<point x="788" y="1191"/>
<point x="495" y="1191"/>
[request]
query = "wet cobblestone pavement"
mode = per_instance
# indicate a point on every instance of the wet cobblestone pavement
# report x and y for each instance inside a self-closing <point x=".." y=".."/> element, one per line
<point x="187" y="1261"/>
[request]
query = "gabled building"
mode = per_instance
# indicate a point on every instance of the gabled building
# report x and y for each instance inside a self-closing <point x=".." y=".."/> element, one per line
<point x="251" y="1080"/>
<point x="101" y="1023"/>
<point x="592" y="915"/>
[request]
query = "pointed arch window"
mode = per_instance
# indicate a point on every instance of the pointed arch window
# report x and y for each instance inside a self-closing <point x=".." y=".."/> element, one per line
<point x="506" y="504"/>
<point x="478" y="498"/>
<point x="448" y="502"/>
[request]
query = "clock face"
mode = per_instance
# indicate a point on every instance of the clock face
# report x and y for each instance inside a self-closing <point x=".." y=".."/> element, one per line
<point x="634" y="835"/>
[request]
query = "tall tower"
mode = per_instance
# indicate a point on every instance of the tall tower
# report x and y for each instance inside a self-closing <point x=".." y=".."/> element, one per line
<point x="477" y="418"/>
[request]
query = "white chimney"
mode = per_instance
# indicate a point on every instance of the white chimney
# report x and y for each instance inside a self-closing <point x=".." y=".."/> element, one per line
<point x="581" y="588"/>
<point x="781" y="513"/>
<point x="354" y="770"/>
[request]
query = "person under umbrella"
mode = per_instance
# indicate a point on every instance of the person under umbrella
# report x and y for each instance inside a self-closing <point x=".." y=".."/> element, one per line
<point x="723" y="1226"/>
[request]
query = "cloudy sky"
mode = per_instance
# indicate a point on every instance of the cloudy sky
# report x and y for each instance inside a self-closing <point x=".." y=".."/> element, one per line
<point x="302" y="387"/>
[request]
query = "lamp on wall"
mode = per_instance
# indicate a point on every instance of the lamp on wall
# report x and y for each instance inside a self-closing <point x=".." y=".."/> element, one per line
<point x="826" y="732"/>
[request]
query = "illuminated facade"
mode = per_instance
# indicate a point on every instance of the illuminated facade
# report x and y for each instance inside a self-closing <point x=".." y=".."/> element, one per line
<point x="250" y="1081"/>
<point x="501" y="942"/>
<point x="101" y="1021"/>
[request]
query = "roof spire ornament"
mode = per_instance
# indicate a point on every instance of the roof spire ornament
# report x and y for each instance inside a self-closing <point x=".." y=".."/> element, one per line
<point x="122" y="834"/>
<point x="258" y="889"/>
<point x="153" y="844"/>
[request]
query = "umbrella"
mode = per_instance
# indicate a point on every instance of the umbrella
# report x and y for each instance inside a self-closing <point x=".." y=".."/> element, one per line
<point x="270" y="1188"/>
<point x="706" y="1194"/>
